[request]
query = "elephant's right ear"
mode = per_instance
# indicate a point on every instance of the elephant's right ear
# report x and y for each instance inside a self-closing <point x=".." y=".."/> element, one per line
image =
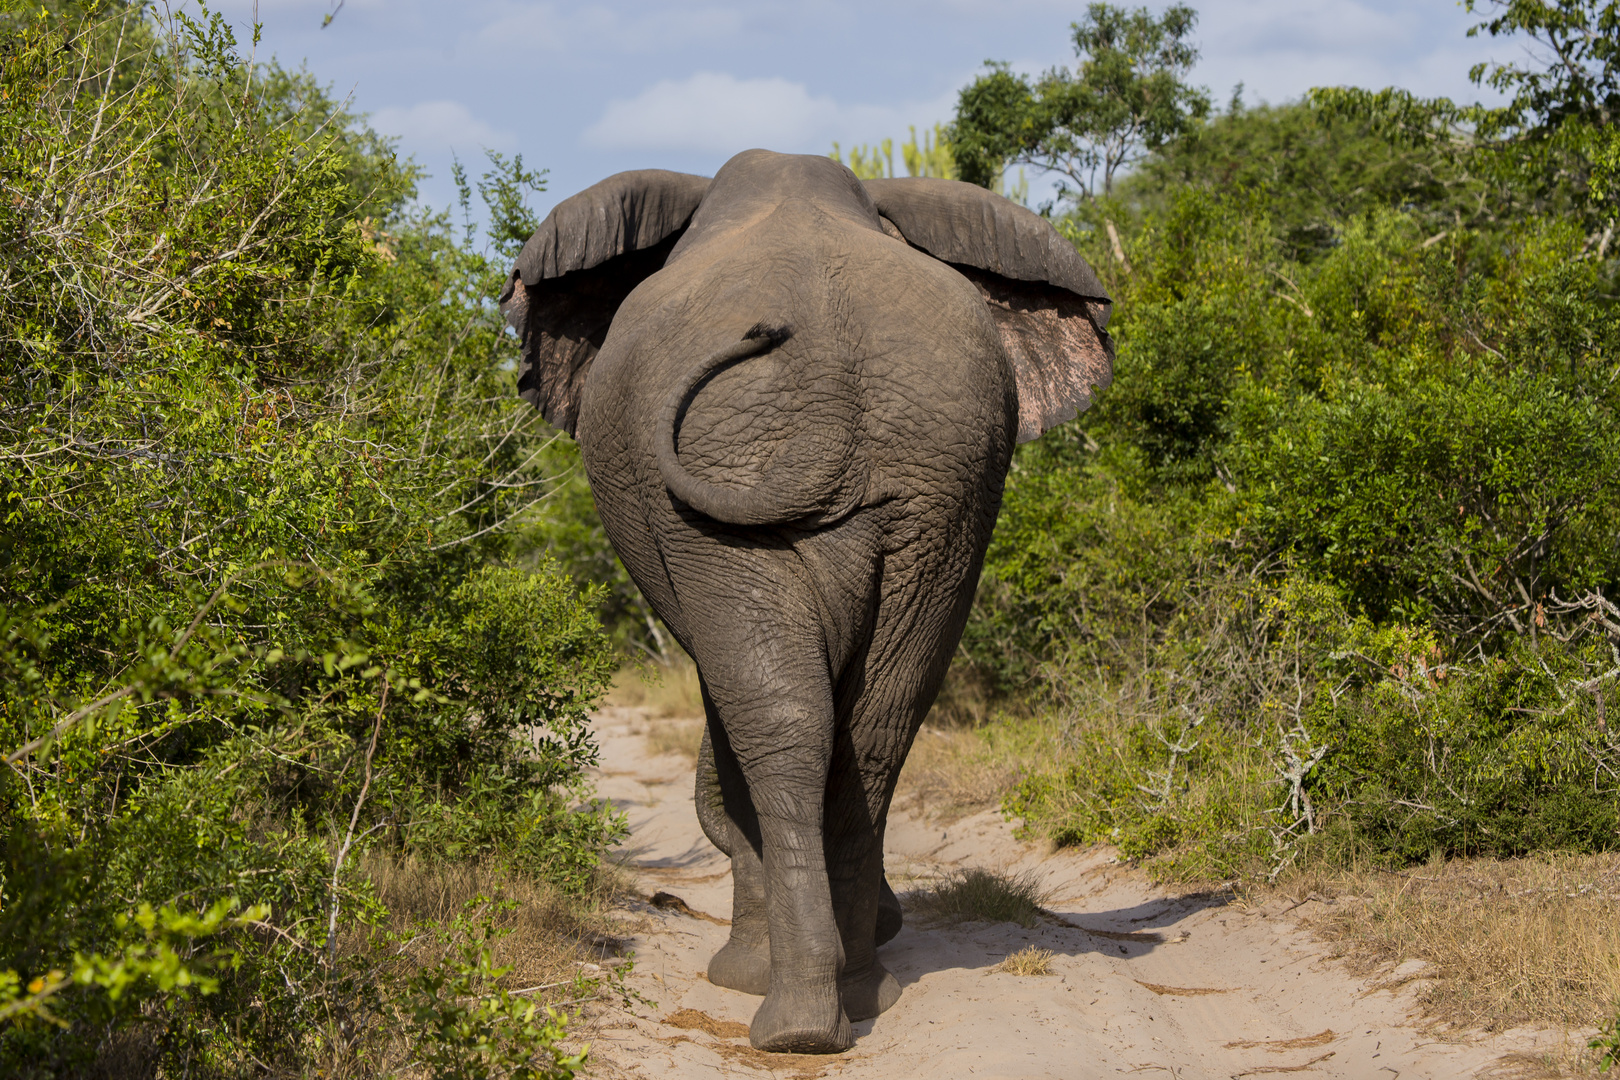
<point x="1048" y="304"/>
<point x="576" y="270"/>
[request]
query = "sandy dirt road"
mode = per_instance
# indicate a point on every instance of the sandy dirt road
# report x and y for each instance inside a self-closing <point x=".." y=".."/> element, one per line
<point x="1145" y="982"/>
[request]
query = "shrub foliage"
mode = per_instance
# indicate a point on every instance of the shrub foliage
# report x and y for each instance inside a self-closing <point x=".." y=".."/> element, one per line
<point x="261" y="471"/>
<point x="1332" y="567"/>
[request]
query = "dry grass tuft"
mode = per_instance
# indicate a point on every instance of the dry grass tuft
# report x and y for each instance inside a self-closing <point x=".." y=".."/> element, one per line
<point x="679" y="737"/>
<point x="671" y="699"/>
<point x="1572" y="1058"/>
<point x="1029" y="960"/>
<point x="970" y="751"/>
<point x="982" y="895"/>
<point x="1507" y="942"/>
<point x="551" y="934"/>
<point x="964" y="701"/>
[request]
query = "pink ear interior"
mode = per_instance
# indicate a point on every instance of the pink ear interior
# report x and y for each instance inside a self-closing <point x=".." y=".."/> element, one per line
<point x="1059" y="351"/>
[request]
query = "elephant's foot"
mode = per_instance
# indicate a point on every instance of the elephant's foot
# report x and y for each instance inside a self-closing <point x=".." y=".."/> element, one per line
<point x="801" y="1021"/>
<point x="866" y="995"/>
<point x="742" y="966"/>
<point x="889" y="916"/>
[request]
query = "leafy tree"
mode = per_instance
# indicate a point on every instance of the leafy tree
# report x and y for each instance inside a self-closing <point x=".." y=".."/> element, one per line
<point x="1317" y="171"/>
<point x="1570" y="105"/>
<point x="1127" y="96"/>
<point x="932" y="157"/>
<point x="1579" y="79"/>
<point x="868" y="162"/>
<point x="505" y="190"/>
<point x="1332" y="564"/>
<point x="1543" y="152"/>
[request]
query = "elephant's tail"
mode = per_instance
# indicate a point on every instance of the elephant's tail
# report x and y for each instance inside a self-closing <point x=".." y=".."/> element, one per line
<point x="794" y="490"/>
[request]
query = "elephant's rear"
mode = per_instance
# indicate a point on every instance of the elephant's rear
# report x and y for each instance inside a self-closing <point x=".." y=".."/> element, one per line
<point x="888" y="378"/>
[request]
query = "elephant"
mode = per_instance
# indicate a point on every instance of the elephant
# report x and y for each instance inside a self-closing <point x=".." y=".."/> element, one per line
<point x="796" y="395"/>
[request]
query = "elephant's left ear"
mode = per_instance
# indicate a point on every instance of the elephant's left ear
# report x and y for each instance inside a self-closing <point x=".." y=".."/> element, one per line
<point x="577" y="268"/>
<point x="1047" y="302"/>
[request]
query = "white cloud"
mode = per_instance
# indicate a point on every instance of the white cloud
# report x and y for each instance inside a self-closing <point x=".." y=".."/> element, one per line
<point x="1281" y="48"/>
<point x="1316" y="26"/>
<point x="435" y="125"/>
<point x="520" y="27"/>
<point x="600" y="30"/>
<point x="713" y="112"/>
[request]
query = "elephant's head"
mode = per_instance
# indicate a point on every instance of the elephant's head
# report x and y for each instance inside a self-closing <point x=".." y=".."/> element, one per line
<point x="593" y="249"/>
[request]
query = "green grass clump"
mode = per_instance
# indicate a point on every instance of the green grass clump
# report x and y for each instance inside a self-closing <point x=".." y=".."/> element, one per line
<point x="977" y="894"/>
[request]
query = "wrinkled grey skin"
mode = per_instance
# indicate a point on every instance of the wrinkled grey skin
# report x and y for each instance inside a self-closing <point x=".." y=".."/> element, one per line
<point x="797" y="396"/>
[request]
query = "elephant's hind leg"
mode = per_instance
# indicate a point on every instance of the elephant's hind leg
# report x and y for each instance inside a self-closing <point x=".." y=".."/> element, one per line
<point x="869" y="990"/>
<point x="765" y="668"/>
<point x="727" y="816"/>
<point x="855" y="870"/>
<point x="866" y="987"/>
<point x="802" y="1011"/>
<point x="926" y="594"/>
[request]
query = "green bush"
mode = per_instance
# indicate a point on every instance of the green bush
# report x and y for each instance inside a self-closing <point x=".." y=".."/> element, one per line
<point x="1506" y="757"/>
<point x="1330" y="568"/>
<point x="263" y="478"/>
<point x="1081" y="548"/>
<point x="1432" y="478"/>
<point x="472" y="1028"/>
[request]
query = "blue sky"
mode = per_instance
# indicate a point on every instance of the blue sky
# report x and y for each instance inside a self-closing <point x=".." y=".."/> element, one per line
<point x="586" y="89"/>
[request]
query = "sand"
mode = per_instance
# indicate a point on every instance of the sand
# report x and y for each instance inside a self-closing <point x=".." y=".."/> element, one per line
<point x="1144" y="981"/>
